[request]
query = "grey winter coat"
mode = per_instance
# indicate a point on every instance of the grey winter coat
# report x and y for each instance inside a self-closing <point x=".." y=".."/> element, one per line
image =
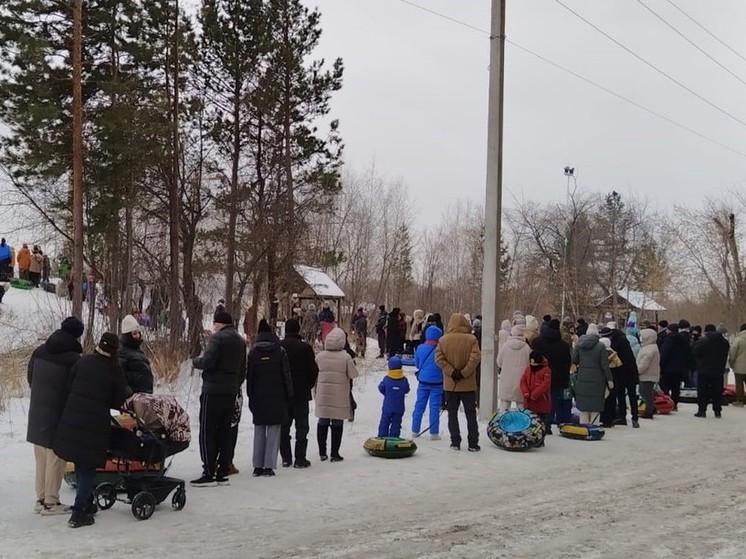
<point x="593" y="374"/>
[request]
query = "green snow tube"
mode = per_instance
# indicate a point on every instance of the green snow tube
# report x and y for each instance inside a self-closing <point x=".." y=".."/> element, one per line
<point x="19" y="283"/>
<point x="390" y="447"/>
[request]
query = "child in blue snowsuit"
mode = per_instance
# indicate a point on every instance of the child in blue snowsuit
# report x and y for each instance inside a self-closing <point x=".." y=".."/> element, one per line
<point x="394" y="388"/>
<point x="430" y="387"/>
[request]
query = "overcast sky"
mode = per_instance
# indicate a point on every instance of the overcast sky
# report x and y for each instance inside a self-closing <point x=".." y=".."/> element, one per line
<point x="415" y="97"/>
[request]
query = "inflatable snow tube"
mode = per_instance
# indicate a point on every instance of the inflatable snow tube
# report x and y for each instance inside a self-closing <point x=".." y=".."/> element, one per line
<point x="688" y="395"/>
<point x="516" y="430"/>
<point x="582" y="431"/>
<point x="390" y="447"/>
<point x="407" y="360"/>
<point x="19" y="283"/>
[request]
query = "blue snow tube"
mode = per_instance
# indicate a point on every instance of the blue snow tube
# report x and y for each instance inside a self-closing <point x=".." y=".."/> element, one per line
<point x="516" y="430"/>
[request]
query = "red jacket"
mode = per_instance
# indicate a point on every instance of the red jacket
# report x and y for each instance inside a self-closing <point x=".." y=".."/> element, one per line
<point x="535" y="386"/>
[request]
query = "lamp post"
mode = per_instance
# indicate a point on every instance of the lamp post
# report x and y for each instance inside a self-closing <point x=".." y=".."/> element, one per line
<point x="570" y="174"/>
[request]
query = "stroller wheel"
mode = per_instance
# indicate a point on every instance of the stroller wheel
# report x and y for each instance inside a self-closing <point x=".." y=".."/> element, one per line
<point x="106" y="495"/>
<point x="143" y="505"/>
<point x="178" y="501"/>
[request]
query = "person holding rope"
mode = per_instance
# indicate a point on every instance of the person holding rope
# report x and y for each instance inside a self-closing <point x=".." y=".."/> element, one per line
<point x="458" y="355"/>
<point x="430" y="384"/>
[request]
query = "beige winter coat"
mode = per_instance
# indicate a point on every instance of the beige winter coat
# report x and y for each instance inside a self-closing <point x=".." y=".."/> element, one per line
<point x="512" y="360"/>
<point x="336" y="369"/>
<point x="458" y="349"/>
<point x="737" y="354"/>
<point x="649" y="358"/>
<point x="418" y="322"/>
<point x="37" y="261"/>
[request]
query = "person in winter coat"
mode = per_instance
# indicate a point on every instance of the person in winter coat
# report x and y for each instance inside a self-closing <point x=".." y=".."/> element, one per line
<point x="6" y="258"/>
<point x="360" y="328"/>
<point x="512" y="360"/>
<point x="557" y="352"/>
<point x="269" y="386"/>
<point x="304" y="371"/>
<point x="546" y="319"/>
<point x="332" y="393"/>
<point x="676" y="361"/>
<point x="430" y="384"/>
<point x="649" y="369"/>
<point x="96" y="386"/>
<point x="632" y="337"/>
<point x="592" y="377"/>
<point x="536" y="382"/>
<point x="223" y="366"/>
<point x="326" y="314"/>
<point x="458" y="355"/>
<point x="394" y="388"/>
<point x="711" y="355"/>
<point x="46" y="269"/>
<point x="132" y="359"/>
<point x="381" y="330"/>
<point x="531" y="332"/>
<point x="581" y="329"/>
<point x="737" y="361"/>
<point x="48" y="377"/>
<point x="24" y="262"/>
<point x="503" y="334"/>
<point x="476" y="329"/>
<point x="625" y="378"/>
<point x="394" y="339"/>
<point x="35" y="266"/>
<point x="310" y="324"/>
<point x="414" y="337"/>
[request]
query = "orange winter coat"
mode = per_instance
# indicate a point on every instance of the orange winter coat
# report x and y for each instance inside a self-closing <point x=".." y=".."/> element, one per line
<point x="24" y="258"/>
<point x="535" y="386"/>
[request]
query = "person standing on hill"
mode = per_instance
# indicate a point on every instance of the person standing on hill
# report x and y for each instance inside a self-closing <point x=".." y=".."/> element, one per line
<point x="711" y="355"/>
<point x="394" y="388"/>
<point x="223" y="366"/>
<point x="360" y="328"/>
<point x="649" y="369"/>
<point x="457" y="354"/>
<point x="304" y="371"/>
<point x="48" y="376"/>
<point x="512" y="360"/>
<point x="381" y="330"/>
<point x="132" y="359"/>
<point x="557" y="352"/>
<point x="430" y="384"/>
<point x="626" y="378"/>
<point x="35" y="266"/>
<point x="394" y="339"/>
<point x="737" y="360"/>
<point x="6" y="257"/>
<point x="24" y="262"/>
<point x="593" y="379"/>
<point x="676" y="361"/>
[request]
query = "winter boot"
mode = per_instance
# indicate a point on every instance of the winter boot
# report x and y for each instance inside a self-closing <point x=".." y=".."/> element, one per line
<point x="300" y="453"/>
<point x="80" y="518"/>
<point x="322" y="431"/>
<point x="336" y="442"/>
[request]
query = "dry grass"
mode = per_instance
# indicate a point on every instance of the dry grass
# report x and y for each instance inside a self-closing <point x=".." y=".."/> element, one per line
<point x="13" y="374"/>
<point x="165" y="363"/>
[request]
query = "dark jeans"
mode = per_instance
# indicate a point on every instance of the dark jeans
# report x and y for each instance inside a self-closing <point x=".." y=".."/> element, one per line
<point x="382" y="342"/>
<point x="609" y="414"/>
<point x="34" y="278"/>
<point x="561" y="408"/>
<point x="83" y="486"/>
<point x="298" y="413"/>
<point x="624" y="391"/>
<point x="671" y="385"/>
<point x="710" y="389"/>
<point x="215" y="432"/>
<point x="453" y="401"/>
<point x="646" y="393"/>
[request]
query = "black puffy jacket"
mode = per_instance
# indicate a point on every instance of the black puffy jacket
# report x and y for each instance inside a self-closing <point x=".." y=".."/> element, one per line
<point x="555" y="349"/>
<point x="135" y="364"/>
<point x="711" y="353"/>
<point x="223" y="363"/>
<point x="676" y="354"/>
<point x="628" y="372"/>
<point x="269" y="385"/>
<point x="303" y="367"/>
<point x="97" y="386"/>
<point x="48" y="376"/>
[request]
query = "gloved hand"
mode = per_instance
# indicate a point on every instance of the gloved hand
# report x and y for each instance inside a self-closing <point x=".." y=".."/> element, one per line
<point x="456" y="375"/>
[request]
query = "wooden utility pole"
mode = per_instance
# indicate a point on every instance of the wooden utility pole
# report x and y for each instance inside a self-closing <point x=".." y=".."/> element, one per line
<point x="174" y="197"/>
<point x="492" y="216"/>
<point x="77" y="182"/>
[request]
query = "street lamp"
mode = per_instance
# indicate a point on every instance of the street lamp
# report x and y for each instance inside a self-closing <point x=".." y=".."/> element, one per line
<point x="570" y="174"/>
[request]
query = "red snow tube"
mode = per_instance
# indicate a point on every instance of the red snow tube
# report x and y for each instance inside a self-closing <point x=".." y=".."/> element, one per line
<point x="663" y="403"/>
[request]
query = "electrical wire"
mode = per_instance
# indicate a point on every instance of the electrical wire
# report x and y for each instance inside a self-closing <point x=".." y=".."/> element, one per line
<point x="710" y="33"/>
<point x="651" y="65"/>
<point x="688" y="40"/>
<point x="584" y="79"/>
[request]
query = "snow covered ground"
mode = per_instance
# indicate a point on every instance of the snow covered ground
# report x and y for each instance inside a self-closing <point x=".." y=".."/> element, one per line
<point x="672" y="489"/>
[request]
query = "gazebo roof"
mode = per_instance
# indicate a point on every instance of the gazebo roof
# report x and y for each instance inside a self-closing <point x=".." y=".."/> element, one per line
<point x="635" y="299"/>
<point x="319" y="283"/>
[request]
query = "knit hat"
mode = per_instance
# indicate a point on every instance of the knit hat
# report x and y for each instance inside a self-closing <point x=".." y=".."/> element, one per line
<point x="108" y="344"/>
<point x="395" y="363"/>
<point x="129" y="324"/>
<point x="222" y="317"/>
<point x="518" y="331"/>
<point x="673" y="327"/>
<point x="683" y="323"/>
<point x="546" y="317"/>
<point x="292" y="326"/>
<point x="605" y="331"/>
<point x="592" y="329"/>
<point x="554" y="324"/>
<point x="73" y="326"/>
<point x="433" y="333"/>
<point x="722" y="329"/>
<point x="264" y="326"/>
<point x="536" y="358"/>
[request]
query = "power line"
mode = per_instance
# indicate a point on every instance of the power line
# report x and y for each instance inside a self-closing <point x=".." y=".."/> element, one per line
<point x="584" y="79"/>
<point x="688" y="40"/>
<point x="710" y="33"/>
<point x="651" y="65"/>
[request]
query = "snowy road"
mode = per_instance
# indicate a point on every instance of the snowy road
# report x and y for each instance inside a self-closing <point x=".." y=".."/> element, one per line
<point x="673" y="488"/>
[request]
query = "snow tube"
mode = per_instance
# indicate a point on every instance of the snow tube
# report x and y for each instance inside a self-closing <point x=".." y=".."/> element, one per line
<point x="582" y="431"/>
<point x="19" y="283"/>
<point x="407" y="360"/>
<point x="662" y="402"/>
<point x="688" y="395"/>
<point x="516" y="430"/>
<point x="390" y="447"/>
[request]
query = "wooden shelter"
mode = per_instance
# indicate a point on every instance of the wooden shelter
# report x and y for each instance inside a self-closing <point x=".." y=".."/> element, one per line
<point x="628" y="301"/>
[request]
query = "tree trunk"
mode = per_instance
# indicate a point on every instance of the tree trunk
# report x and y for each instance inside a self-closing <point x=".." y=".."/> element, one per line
<point x="174" y="198"/>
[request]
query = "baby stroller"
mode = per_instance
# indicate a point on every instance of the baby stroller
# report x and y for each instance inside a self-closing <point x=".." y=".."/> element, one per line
<point x="141" y="452"/>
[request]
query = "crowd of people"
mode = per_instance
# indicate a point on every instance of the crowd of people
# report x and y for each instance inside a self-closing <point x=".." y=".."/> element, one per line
<point x="33" y="265"/>
<point x="546" y="367"/>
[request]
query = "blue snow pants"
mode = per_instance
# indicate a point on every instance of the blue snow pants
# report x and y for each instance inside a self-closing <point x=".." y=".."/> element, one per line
<point x="390" y="425"/>
<point x="434" y="394"/>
